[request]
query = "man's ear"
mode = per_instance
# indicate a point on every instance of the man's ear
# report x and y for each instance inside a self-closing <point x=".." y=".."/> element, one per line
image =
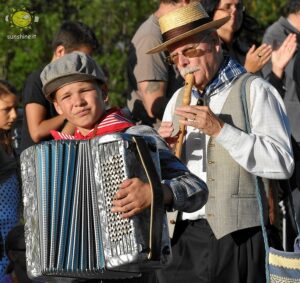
<point x="216" y="40"/>
<point x="57" y="108"/>
<point x="59" y="52"/>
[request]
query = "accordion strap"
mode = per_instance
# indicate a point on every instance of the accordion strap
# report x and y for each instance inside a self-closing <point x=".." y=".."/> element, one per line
<point x="157" y="208"/>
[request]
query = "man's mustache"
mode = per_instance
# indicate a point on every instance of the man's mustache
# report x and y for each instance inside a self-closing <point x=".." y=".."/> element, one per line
<point x="188" y="70"/>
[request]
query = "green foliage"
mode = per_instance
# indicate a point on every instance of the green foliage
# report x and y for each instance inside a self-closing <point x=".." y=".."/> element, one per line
<point x="265" y="11"/>
<point x="114" y="22"/>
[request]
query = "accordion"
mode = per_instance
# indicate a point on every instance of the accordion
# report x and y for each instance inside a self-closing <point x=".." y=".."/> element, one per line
<point x="70" y="231"/>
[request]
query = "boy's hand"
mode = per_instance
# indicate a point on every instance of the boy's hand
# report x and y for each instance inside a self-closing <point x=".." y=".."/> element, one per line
<point x="132" y="197"/>
<point x="165" y="131"/>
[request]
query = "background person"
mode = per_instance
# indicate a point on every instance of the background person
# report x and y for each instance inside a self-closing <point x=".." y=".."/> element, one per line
<point x="15" y="250"/>
<point x="239" y="34"/>
<point x="10" y="192"/>
<point x="282" y="33"/>
<point x="283" y="79"/>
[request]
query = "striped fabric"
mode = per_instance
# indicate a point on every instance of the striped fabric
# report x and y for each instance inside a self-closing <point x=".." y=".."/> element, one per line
<point x="113" y="121"/>
<point x="285" y="266"/>
<point x="229" y="71"/>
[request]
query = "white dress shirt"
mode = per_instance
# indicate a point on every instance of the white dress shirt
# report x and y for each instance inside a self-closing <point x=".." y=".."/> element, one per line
<point x="266" y="152"/>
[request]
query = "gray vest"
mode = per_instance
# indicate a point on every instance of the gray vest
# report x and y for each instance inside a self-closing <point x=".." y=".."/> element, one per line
<point x="232" y="203"/>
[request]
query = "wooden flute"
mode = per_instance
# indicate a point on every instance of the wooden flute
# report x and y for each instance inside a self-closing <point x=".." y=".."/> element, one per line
<point x="186" y="100"/>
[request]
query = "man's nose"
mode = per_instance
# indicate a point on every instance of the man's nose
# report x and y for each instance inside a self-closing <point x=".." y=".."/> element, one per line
<point x="182" y="60"/>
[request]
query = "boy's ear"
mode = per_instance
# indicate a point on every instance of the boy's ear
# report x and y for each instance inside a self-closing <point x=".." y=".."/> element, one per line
<point x="57" y="107"/>
<point x="104" y="89"/>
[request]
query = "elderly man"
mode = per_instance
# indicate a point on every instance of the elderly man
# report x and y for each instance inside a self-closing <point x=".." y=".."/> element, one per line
<point x="222" y="242"/>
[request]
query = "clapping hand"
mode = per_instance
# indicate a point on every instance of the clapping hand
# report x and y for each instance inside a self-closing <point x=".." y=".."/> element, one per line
<point x="282" y="55"/>
<point x="256" y="58"/>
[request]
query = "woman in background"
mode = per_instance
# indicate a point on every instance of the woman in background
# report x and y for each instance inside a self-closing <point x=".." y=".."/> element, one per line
<point x="9" y="181"/>
<point x="240" y="34"/>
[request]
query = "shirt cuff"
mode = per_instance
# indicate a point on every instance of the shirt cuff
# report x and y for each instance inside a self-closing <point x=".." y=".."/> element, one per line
<point x="178" y="196"/>
<point x="229" y="137"/>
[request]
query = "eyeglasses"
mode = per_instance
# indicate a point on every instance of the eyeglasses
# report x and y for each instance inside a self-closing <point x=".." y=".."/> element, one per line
<point x="191" y="52"/>
<point x="229" y="7"/>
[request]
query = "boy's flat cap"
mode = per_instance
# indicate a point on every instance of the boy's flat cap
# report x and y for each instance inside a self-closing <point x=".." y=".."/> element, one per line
<point x="73" y="67"/>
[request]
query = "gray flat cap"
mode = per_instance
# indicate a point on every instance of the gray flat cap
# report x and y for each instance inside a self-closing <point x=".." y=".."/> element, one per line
<point x="73" y="67"/>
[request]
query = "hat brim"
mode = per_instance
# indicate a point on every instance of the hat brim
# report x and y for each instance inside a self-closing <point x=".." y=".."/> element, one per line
<point x="57" y="83"/>
<point x="213" y="24"/>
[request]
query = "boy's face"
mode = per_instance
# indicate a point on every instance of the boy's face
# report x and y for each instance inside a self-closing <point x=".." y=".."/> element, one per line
<point x="81" y="103"/>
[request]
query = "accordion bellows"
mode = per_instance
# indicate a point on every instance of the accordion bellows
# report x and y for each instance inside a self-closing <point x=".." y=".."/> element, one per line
<point x="70" y="231"/>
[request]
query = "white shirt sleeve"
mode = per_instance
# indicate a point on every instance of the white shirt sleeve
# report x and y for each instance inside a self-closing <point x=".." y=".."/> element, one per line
<point x="266" y="151"/>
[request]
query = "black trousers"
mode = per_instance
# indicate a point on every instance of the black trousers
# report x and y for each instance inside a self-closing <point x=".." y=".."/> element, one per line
<point x="199" y="257"/>
<point x="149" y="277"/>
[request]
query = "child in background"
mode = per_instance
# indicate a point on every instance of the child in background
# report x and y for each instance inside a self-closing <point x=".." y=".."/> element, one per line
<point x="15" y="250"/>
<point x="9" y="183"/>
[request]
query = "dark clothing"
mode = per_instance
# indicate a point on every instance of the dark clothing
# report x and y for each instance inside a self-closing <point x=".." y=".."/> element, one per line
<point x="237" y="52"/>
<point x="297" y="74"/>
<point x="8" y="164"/>
<point x="9" y="200"/>
<point x="289" y="88"/>
<point x="145" y="278"/>
<point x="235" y="258"/>
<point x="32" y="93"/>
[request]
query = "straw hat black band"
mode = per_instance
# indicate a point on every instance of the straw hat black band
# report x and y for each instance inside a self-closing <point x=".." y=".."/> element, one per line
<point x="179" y="30"/>
<point x="183" y="23"/>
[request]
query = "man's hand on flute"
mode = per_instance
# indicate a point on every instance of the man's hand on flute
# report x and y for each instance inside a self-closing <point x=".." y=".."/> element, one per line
<point x="200" y="117"/>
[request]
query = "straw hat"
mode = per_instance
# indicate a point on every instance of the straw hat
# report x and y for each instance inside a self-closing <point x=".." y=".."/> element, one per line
<point x="185" y="22"/>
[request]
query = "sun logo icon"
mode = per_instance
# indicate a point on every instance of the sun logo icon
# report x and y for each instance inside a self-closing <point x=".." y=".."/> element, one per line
<point x="21" y="18"/>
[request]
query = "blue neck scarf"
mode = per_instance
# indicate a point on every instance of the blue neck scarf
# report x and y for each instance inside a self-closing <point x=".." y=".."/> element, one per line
<point x="228" y="72"/>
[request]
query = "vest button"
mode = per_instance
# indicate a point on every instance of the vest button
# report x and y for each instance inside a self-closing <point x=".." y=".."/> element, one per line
<point x="211" y="162"/>
<point x="211" y="179"/>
